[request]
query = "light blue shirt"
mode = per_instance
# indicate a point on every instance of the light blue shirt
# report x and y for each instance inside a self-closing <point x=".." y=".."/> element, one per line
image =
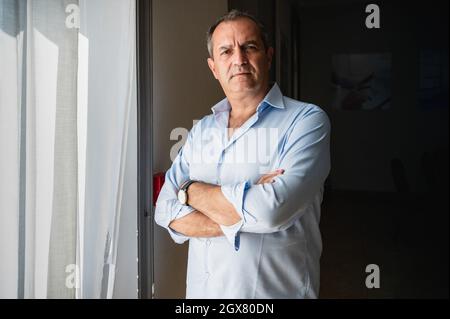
<point x="274" y="250"/>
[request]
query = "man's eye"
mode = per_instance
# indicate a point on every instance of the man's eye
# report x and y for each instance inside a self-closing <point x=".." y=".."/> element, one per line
<point x="225" y="52"/>
<point x="251" y="47"/>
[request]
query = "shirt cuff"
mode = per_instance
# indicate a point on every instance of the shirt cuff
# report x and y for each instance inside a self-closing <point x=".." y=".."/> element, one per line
<point x="182" y="211"/>
<point x="235" y="195"/>
<point x="232" y="233"/>
<point x="177" y="237"/>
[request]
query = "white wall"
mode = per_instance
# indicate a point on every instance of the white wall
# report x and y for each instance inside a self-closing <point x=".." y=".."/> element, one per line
<point x="183" y="90"/>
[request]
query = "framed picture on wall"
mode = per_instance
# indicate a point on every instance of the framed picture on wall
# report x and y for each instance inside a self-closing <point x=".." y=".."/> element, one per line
<point x="361" y="81"/>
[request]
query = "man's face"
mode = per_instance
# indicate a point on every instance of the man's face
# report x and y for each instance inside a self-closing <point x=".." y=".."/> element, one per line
<point x="240" y="62"/>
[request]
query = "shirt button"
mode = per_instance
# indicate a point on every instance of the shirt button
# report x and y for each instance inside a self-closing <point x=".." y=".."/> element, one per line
<point x="208" y="242"/>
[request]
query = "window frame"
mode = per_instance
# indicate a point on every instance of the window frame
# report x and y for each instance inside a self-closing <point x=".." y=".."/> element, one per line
<point x="144" y="82"/>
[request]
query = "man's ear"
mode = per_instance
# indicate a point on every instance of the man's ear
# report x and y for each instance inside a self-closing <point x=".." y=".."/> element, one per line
<point x="212" y="67"/>
<point x="270" y="56"/>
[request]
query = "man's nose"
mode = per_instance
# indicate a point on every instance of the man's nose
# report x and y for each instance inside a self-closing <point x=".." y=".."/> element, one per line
<point x="240" y="57"/>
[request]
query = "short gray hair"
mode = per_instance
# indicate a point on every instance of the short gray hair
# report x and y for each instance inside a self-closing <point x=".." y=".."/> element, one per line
<point x="232" y="16"/>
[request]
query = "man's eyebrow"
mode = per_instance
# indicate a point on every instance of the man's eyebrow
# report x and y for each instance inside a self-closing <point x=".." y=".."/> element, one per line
<point x="225" y="47"/>
<point x="228" y="46"/>
<point x="250" y="42"/>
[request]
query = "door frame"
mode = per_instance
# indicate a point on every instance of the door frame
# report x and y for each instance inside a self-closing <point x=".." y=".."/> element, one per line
<point x="145" y="219"/>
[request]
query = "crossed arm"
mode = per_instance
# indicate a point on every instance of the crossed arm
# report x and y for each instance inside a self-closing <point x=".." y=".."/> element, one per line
<point x="212" y="209"/>
<point x="196" y="224"/>
<point x="305" y="155"/>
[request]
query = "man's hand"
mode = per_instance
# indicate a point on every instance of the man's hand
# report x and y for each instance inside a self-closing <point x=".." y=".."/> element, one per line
<point x="270" y="177"/>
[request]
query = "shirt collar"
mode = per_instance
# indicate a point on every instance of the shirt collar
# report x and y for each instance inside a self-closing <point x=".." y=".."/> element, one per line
<point x="274" y="98"/>
<point x="222" y="106"/>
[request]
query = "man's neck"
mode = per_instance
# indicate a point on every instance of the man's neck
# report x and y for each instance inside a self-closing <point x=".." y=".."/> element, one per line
<point x="243" y="107"/>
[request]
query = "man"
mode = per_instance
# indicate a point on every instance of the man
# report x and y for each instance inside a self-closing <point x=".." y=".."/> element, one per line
<point x="247" y="186"/>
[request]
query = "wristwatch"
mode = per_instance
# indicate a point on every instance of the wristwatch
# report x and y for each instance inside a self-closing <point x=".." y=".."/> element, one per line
<point x="182" y="193"/>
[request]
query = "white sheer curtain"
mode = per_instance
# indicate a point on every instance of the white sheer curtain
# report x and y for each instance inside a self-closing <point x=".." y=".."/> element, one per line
<point x="66" y="91"/>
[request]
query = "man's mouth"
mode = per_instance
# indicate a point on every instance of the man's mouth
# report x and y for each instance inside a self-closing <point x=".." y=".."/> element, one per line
<point x="239" y="74"/>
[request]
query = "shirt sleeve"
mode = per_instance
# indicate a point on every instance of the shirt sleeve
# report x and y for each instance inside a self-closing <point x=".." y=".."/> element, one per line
<point x="305" y="157"/>
<point x="168" y="207"/>
<point x="235" y="195"/>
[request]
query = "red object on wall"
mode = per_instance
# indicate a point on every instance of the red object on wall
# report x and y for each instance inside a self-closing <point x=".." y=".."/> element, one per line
<point x="158" y="182"/>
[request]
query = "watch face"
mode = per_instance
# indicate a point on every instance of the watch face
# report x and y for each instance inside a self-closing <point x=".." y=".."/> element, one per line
<point x="182" y="197"/>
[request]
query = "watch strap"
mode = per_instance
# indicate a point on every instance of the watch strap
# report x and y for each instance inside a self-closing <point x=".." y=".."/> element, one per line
<point x="186" y="184"/>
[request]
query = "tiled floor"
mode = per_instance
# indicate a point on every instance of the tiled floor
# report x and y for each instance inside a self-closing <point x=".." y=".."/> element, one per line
<point x="406" y="235"/>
